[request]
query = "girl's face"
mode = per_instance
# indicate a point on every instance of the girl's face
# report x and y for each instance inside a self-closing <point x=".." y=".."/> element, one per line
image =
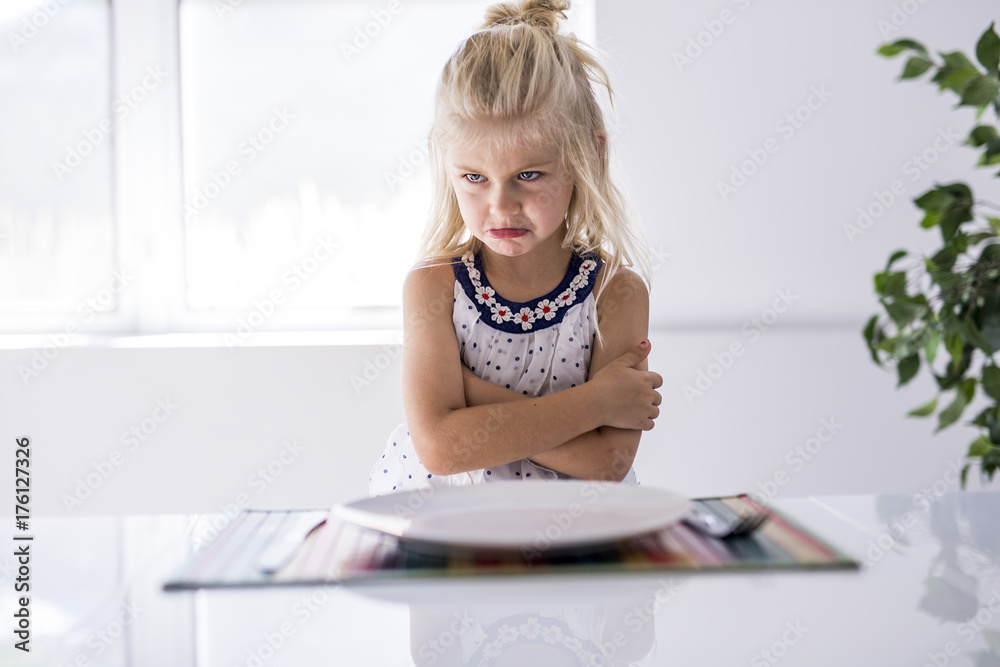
<point x="513" y="201"/>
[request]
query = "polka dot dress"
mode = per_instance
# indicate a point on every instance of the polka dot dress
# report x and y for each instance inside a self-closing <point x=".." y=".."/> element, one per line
<point x="535" y="348"/>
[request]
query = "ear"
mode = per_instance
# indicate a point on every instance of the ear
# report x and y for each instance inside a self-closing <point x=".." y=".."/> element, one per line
<point x="601" y="143"/>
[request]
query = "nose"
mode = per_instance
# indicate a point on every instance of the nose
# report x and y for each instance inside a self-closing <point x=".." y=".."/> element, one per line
<point x="504" y="201"/>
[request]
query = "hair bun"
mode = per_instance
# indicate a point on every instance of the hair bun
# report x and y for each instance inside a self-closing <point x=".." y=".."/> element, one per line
<point x="543" y="14"/>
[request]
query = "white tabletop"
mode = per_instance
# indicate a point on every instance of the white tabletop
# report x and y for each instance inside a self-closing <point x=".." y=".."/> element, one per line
<point x="928" y="594"/>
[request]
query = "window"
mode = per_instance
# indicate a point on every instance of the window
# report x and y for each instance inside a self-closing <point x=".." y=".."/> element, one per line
<point x="264" y="165"/>
<point x="57" y="233"/>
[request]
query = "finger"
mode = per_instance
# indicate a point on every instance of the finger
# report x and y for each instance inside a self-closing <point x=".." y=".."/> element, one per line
<point x="634" y="356"/>
<point x="657" y="399"/>
<point x="657" y="380"/>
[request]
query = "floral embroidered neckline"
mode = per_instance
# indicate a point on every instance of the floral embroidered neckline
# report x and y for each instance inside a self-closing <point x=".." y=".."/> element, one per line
<point x="517" y="317"/>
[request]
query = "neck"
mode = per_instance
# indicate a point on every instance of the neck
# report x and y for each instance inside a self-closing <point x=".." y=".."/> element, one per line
<point x="527" y="276"/>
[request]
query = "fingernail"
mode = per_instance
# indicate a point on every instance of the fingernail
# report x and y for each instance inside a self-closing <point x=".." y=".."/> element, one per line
<point x="644" y="343"/>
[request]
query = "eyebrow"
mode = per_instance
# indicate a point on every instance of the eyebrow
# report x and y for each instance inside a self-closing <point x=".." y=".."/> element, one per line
<point x="531" y="167"/>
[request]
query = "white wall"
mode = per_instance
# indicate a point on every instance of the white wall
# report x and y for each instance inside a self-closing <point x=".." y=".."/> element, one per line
<point x="233" y="410"/>
<point x="723" y="263"/>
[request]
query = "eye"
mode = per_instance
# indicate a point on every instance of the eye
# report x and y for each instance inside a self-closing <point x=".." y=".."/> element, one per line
<point x="530" y="175"/>
<point x="475" y="178"/>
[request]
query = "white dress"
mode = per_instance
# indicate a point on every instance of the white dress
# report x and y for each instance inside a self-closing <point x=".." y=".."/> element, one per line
<point x="536" y="348"/>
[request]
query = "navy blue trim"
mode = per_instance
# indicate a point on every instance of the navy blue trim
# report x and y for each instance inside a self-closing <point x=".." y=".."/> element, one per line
<point x="510" y="326"/>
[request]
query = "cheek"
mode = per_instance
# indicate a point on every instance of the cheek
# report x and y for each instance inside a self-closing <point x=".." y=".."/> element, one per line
<point x="466" y="205"/>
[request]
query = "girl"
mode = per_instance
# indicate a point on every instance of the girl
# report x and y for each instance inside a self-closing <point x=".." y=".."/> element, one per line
<point x="505" y="374"/>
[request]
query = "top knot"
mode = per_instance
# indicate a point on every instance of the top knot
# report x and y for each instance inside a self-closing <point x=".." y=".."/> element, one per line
<point x="544" y="14"/>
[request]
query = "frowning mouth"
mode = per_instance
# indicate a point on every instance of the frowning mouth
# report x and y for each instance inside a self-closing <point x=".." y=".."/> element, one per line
<point x="510" y="233"/>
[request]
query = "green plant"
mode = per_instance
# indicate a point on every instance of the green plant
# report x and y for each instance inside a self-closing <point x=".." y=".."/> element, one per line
<point x="951" y="298"/>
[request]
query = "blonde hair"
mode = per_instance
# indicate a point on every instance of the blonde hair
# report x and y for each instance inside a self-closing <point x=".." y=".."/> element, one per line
<point x="520" y="76"/>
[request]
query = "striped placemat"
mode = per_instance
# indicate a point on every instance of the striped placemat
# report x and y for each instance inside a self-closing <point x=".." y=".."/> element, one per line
<point x="338" y="551"/>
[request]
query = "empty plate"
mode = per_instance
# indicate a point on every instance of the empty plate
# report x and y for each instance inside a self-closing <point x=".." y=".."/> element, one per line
<point x="519" y="514"/>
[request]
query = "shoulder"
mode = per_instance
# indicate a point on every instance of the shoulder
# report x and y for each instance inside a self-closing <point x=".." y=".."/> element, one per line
<point x="426" y="281"/>
<point x="622" y="288"/>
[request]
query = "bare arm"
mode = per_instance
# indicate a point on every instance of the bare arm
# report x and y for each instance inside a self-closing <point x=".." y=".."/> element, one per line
<point x="451" y="436"/>
<point x="605" y="452"/>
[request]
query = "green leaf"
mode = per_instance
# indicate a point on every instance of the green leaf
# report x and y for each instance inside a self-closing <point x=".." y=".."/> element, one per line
<point x="980" y="237"/>
<point x="992" y="153"/>
<point x="895" y="257"/>
<point x="945" y="258"/>
<point x="951" y="221"/>
<point x="988" y="49"/>
<point x="931" y="347"/>
<point x="914" y="67"/>
<point x="991" y="461"/>
<point x="931" y="219"/>
<point x="925" y="410"/>
<point x="872" y="333"/>
<point x="959" y="190"/>
<point x="992" y="423"/>
<point x="956" y="60"/>
<point x="892" y="284"/>
<point x="935" y="200"/>
<point x="907" y="369"/>
<point x="965" y="475"/>
<point x="991" y="382"/>
<point x="980" y="446"/>
<point x="994" y="224"/>
<point x="981" y="90"/>
<point x="956" y="369"/>
<point x="954" y="344"/>
<point x="975" y="336"/>
<point x="980" y="419"/>
<point x="897" y="47"/>
<point x="957" y="79"/>
<point x="990" y="254"/>
<point x="990" y="326"/>
<point x="904" y="308"/>
<point x="953" y="412"/>
<point x="968" y="389"/>
<point x="981" y="134"/>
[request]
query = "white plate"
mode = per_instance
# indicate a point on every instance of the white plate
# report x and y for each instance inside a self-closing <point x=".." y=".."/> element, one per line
<point x="519" y="514"/>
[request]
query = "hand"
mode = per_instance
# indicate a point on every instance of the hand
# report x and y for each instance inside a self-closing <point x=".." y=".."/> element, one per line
<point x="628" y="395"/>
